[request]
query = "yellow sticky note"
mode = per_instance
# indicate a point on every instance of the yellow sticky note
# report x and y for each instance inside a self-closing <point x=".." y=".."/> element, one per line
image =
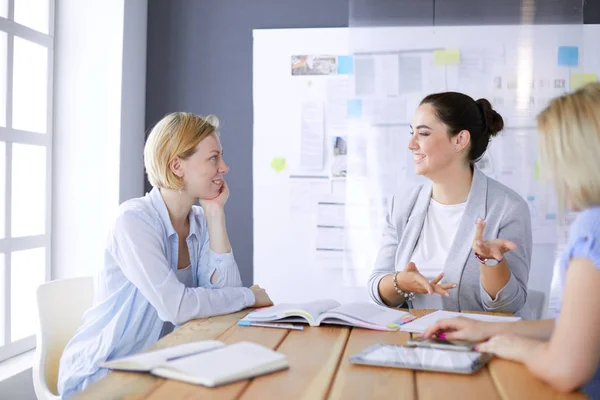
<point x="446" y="57"/>
<point x="579" y="80"/>
<point x="278" y="164"/>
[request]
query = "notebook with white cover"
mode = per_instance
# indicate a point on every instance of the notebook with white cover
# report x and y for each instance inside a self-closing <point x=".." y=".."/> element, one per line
<point x="144" y="362"/>
<point x="216" y="364"/>
<point x="419" y="325"/>
<point x="224" y="365"/>
<point x="315" y="313"/>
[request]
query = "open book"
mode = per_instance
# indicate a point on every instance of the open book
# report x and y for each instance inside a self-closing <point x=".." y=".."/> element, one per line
<point x="315" y="313"/>
<point x="420" y="324"/>
<point x="208" y="363"/>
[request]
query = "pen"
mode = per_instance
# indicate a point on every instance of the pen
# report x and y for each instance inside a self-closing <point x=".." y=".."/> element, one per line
<point x="188" y="354"/>
<point x="269" y="325"/>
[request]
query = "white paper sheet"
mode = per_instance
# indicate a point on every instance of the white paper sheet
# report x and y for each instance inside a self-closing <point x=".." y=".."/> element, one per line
<point x="410" y="74"/>
<point x="338" y="92"/>
<point x="305" y="193"/>
<point x="312" y="150"/>
<point x="419" y="325"/>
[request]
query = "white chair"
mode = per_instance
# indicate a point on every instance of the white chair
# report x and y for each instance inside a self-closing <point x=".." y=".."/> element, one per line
<point x="534" y="306"/>
<point x="61" y="305"/>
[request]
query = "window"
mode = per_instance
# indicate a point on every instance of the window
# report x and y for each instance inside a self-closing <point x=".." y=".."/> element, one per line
<point x="26" y="61"/>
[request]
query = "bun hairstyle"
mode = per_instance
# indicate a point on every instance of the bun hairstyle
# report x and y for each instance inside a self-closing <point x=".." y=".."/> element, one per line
<point x="460" y="112"/>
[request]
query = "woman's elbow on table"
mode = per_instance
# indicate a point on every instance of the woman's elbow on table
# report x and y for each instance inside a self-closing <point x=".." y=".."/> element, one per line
<point x="567" y="372"/>
<point x="511" y="298"/>
<point x="565" y="379"/>
<point x="176" y="311"/>
<point x="373" y="288"/>
<point x="175" y="318"/>
<point x="513" y="305"/>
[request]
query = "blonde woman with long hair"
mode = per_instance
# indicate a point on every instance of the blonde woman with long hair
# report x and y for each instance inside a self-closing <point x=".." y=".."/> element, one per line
<point x="564" y="352"/>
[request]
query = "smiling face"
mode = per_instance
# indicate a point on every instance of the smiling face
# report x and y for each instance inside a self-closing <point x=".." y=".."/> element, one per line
<point x="203" y="171"/>
<point x="434" y="150"/>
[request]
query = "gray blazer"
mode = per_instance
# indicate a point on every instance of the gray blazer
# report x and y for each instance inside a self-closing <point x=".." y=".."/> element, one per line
<point x="507" y="217"/>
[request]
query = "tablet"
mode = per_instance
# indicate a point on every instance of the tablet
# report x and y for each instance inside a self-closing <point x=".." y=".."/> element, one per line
<point x="420" y="358"/>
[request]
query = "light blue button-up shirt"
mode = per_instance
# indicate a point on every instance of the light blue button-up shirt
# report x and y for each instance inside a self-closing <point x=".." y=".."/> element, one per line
<point x="137" y="289"/>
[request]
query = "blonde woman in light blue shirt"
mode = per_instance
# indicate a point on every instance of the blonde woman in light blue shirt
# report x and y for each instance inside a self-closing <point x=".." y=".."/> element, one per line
<point x="166" y="260"/>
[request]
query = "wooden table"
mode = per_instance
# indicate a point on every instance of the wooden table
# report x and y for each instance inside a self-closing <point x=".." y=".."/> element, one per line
<point x="319" y="369"/>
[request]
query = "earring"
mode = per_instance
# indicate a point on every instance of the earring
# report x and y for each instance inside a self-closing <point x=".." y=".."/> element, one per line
<point x="180" y="189"/>
<point x="456" y="148"/>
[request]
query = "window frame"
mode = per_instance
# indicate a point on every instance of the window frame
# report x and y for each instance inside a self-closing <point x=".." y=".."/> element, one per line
<point x="8" y="135"/>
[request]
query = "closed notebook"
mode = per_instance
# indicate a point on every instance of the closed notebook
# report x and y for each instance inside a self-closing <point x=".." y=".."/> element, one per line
<point x="144" y="362"/>
<point x="206" y="363"/>
<point x="364" y="315"/>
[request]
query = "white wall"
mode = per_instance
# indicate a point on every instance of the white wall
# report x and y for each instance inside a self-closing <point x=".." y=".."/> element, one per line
<point x="100" y="64"/>
<point x="99" y="113"/>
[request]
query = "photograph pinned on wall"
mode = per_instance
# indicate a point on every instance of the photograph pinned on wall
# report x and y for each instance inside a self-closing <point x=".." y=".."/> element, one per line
<point x="339" y="164"/>
<point x="314" y="65"/>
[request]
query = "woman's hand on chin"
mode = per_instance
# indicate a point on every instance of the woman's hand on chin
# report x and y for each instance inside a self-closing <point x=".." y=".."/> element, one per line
<point x="218" y="202"/>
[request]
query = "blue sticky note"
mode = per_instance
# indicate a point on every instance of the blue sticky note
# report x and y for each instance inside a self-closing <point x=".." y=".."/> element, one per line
<point x="345" y="65"/>
<point x="568" y="56"/>
<point x="355" y="108"/>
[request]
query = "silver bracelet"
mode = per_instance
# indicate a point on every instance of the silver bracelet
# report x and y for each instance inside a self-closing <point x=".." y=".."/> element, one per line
<point x="408" y="296"/>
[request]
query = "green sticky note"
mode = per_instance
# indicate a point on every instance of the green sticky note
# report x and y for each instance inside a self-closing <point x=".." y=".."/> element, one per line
<point x="579" y="80"/>
<point x="278" y="164"/>
<point x="536" y="171"/>
<point x="446" y="57"/>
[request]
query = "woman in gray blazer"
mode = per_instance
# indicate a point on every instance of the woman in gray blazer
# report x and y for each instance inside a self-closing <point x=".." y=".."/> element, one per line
<point x="434" y="254"/>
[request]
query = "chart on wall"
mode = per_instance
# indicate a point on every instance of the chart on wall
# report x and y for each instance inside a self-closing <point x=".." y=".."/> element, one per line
<point x="332" y="113"/>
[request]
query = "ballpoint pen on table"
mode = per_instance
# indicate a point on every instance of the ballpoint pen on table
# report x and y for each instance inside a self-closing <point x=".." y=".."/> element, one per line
<point x="271" y="325"/>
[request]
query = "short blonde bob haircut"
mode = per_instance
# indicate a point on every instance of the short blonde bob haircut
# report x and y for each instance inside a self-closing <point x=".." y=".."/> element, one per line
<point x="569" y="143"/>
<point x="176" y="135"/>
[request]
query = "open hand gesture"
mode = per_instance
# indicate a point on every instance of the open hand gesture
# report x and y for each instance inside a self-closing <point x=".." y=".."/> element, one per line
<point x="411" y="280"/>
<point x="490" y="248"/>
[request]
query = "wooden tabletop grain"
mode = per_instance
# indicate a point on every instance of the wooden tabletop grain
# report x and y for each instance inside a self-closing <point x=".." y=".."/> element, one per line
<point x="319" y="369"/>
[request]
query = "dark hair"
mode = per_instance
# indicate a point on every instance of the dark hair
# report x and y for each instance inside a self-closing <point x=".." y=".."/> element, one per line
<point x="460" y="112"/>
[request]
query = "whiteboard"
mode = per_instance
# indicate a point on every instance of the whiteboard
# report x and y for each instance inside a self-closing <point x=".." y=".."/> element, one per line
<point x="331" y="114"/>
